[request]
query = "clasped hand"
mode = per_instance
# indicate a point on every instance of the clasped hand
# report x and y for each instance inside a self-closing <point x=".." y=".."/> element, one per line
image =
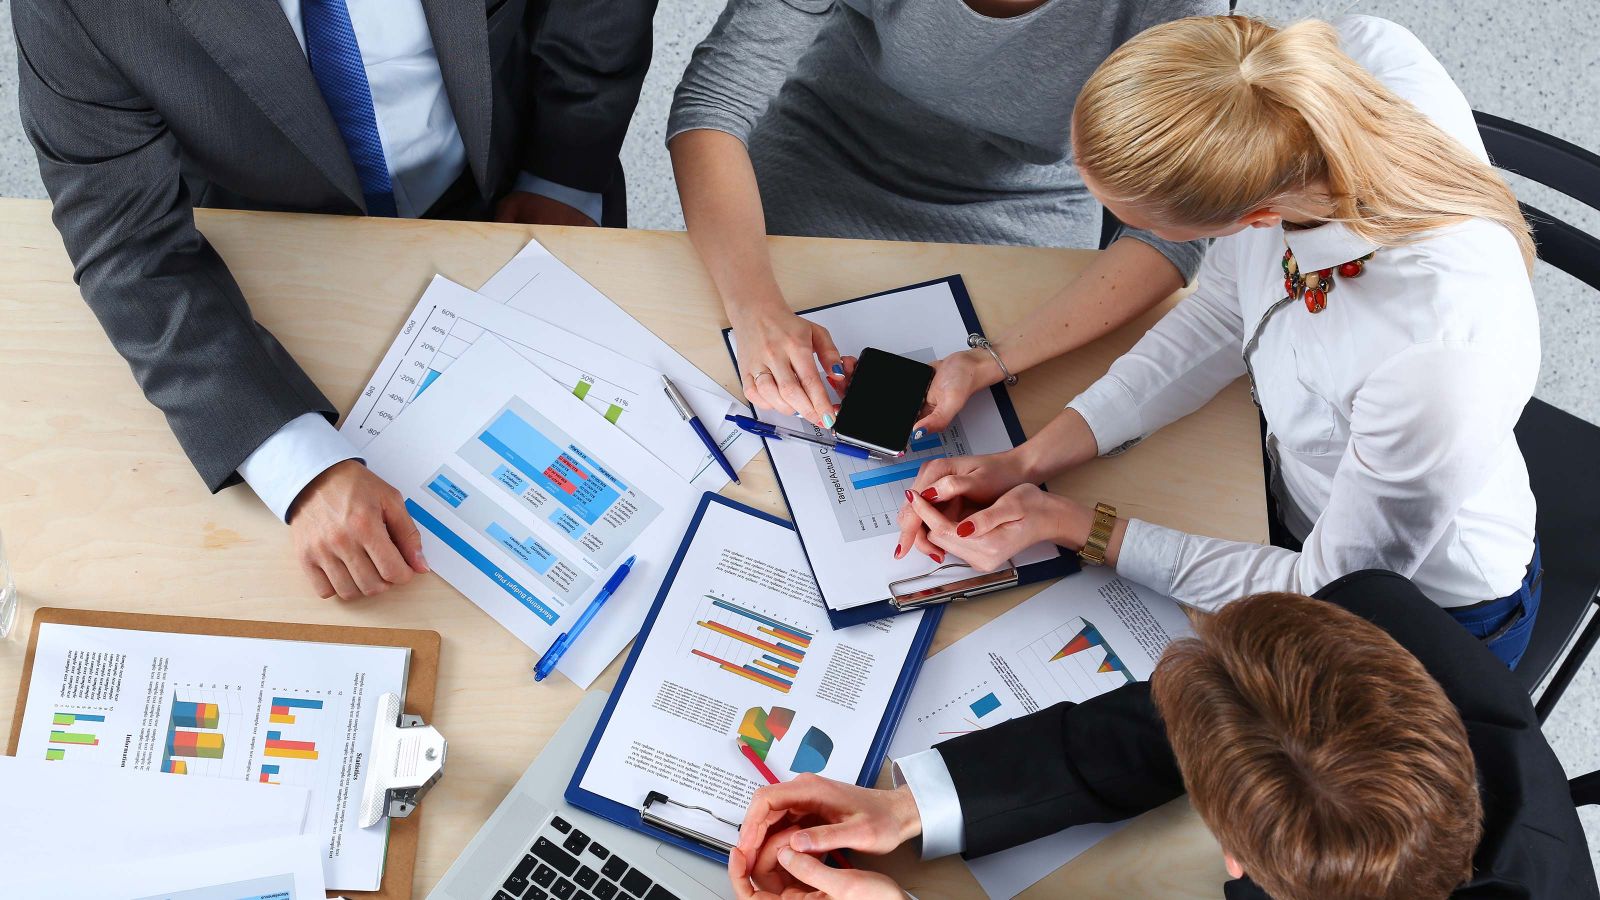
<point x="984" y="509"/>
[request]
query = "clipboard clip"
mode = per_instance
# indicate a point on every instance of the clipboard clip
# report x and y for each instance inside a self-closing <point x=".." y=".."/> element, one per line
<point x="407" y="759"/>
<point x="973" y="585"/>
<point x="650" y="817"/>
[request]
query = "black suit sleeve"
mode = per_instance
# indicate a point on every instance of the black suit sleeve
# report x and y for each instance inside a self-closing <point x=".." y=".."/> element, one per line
<point x="1103" y="760"/>
<point x="163" y="295"/>
<point x="589" y="62"/>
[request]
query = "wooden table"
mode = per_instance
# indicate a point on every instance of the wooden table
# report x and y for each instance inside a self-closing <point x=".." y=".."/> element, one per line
<point x="100" y="509"/>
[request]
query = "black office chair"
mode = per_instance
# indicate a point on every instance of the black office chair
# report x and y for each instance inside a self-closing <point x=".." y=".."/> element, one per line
<point x="1562" y="451"/>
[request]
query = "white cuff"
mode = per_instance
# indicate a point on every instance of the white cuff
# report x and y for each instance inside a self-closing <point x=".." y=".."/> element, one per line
<point x="285" y="463"/>
<point x="586" y="202"/>
<point x="1149" y="555"/>
<point x="1110" y="411"/>
<point x="943" y="829"/>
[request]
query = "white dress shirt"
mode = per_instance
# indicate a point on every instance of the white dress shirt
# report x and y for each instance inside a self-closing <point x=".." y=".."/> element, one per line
<point x="1389" y="413"/>
<point x="423" y="148"/>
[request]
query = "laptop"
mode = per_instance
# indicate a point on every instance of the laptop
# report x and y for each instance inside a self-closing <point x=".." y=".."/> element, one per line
<point x="537" y="847"/>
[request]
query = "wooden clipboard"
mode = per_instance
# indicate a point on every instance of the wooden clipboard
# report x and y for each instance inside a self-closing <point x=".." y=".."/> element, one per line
<point x="422" y="676"/>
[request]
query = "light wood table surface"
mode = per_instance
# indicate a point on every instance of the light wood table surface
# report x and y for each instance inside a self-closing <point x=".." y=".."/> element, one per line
<point x="100" y="509"/>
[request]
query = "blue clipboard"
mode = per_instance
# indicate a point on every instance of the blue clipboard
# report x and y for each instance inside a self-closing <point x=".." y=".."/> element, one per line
<point x="1064" y="564"/>
<point x="629" y="817"/>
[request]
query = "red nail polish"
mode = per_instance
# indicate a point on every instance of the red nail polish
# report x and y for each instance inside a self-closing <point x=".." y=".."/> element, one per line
<point x="898" y="551"/>
<point x="930" y="495"/>
<point x="936" y="557"/>
<point x="908" y="496"/>
<point x="965" y="529"/>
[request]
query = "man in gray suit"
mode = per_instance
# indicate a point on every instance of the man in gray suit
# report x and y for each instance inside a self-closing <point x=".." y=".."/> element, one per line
<point x="140" y="110"/>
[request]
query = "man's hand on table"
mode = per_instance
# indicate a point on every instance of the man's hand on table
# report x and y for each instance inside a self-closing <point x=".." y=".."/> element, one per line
<point x="789" y="825"/>
<point x="352" y="534"/>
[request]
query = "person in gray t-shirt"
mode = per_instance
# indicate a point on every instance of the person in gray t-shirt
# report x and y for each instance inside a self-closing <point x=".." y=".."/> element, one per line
<point x="914" y="120"/>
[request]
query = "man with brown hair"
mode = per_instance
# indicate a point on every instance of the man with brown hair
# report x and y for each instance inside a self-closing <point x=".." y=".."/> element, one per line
<point x="1357" y="745"/>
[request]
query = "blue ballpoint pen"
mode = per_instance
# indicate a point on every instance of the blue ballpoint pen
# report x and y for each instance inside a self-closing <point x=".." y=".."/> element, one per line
<point x="547" y="662"/>
<point x="684" y="410"/>
<point x="778" y="433"/>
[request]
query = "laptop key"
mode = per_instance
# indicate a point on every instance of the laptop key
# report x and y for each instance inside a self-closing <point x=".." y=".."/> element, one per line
<point x="564" y="889"/>
<point x="582" y="896"/>
<point x="636" y="883"/>
<point x="660" y="893"/>
<point x="599" y="851"/>
<point x="535" y="893"/>
<point x="586" y="877"/>
<point x="561" y="825"/>
<point x="614" y="868"/>
<point x="502" y="895"/>
<point x="559" y="859"/>
<point x="517" y="881"/>
<point x="544" y="875"/>
<point x="605" y="890"/>
<point x="576" y="843"/>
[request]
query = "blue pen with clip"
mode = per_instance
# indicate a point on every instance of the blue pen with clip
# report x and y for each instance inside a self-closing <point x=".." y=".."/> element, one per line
<point x="778" y="432"/>
<point x="547" y="662"/>
<point x="684" y="410"/>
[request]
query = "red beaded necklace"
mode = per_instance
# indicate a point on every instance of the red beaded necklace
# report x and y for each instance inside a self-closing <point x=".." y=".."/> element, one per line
<point x="1314" y="287"/>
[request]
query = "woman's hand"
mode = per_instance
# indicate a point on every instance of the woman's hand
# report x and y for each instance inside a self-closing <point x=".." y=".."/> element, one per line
<point x="778" y="354"/>
<point x="955" y="379"/>
<point x="993" y="534"/>
<point x="809" y="878"/>
<point x="964" y="484"/>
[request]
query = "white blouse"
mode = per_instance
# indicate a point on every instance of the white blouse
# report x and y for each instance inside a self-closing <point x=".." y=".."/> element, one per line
<point x="1389" y="413"/>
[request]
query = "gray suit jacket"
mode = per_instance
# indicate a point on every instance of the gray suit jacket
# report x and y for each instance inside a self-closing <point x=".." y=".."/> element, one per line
<point x="140" y="110"/>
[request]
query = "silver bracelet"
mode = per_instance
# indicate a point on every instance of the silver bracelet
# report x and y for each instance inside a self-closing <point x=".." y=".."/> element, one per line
<point x="979" y="342"/>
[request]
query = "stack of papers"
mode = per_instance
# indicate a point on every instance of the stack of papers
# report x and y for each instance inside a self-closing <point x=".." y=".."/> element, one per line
<point x="527" y="428"/>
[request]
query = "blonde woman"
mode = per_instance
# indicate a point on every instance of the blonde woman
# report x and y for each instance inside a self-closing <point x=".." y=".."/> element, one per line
<point x="1370" y="277"/>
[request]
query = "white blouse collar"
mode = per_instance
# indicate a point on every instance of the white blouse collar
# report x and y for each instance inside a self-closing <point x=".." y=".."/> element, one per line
<point x="1326" y="245"/>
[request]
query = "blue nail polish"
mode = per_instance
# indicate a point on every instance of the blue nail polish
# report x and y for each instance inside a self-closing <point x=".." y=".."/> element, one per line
<point x="827" y="421"/>
<point x="838" y="368"/>
<point x="917" y="435"/>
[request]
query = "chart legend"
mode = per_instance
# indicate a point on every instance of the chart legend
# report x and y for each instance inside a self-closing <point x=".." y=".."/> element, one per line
<point x="746" y="643"/>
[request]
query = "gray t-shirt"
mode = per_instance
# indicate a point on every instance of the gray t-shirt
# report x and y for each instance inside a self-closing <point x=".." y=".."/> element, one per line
<point x="917" y="120"/>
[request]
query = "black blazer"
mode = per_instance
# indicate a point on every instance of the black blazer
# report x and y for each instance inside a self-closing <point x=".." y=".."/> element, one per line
<point x="1111" y="759"/>
<point x="140" y="110"/>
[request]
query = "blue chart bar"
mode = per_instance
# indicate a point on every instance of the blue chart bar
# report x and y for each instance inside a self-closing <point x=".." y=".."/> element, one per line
<point x="447" y="490"/>
<point x="426" y="380"/>
<point x="984" y="705"/>
<point x="900" y="471"/>
<point x="297" y="702"/>
<point x="536" y="555"/>
<point x="584" y="493"/>
<point x="490" y="570"/>
<point x="771" y="623"/>
<point x="926" y="443"/>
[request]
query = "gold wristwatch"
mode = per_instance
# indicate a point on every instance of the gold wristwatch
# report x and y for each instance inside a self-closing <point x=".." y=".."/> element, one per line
<point x="1094" y="549"/>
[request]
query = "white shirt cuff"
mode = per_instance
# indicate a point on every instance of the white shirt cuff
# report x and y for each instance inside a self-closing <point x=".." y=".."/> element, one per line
<point x="1149" y="555"/>
<point x="285" y="463"/>
<point x="586" y="202"/>
<point x="1109" y="409"/>
<point x="943" y="829"/>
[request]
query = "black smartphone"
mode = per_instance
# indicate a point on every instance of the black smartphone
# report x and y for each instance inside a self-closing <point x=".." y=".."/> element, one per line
<point x="884" y="400"/>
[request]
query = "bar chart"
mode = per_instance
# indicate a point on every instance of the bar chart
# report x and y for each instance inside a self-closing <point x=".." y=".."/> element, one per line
<point x="194" y="736"/>
<point x="1079" y="659"/>
<point x="750" y="644"/>
<point x="870" y="492"/>
<point x="83" y="733"/>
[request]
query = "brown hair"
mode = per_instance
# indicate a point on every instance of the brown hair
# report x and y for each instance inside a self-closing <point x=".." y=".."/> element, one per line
<point x="1321" y="753"/>
<point x="1204" y="120"/>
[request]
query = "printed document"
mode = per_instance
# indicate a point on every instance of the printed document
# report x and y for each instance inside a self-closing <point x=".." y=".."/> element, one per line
<point x="280" y="869"/>
<point x="527" y="501"/>
<point x="1085" y="635"/>
<point x="449" y="319"/>
<point x="203" y="706"/>
<point x="536" y="283"/>
<point x="741" y="650"/>
<point x="847" y="508"/>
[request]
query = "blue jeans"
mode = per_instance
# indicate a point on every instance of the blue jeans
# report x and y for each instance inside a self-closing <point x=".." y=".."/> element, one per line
<point x="1504" y="625"/>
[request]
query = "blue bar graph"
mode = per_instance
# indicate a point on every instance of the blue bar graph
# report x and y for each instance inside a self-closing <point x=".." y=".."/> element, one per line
<point x="984" y="705"/>
<point x="585" y="493"/>
<point x="901" y="471"/>
<point x="771" y="623"/>
<point x="927" y="442"/>
<point x="300" y="702"/>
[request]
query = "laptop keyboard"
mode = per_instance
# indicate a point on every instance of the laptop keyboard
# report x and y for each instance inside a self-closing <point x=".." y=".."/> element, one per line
<point x="565" y="864"/>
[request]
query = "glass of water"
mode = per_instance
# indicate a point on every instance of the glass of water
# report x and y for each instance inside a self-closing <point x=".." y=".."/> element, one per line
<point x="8" y="593"/>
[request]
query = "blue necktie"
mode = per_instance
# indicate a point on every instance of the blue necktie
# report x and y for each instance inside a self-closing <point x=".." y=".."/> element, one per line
<point x="336" y="64"/>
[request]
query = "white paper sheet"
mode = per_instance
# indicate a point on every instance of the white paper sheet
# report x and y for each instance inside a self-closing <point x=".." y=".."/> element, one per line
<point x="449" y="318"/>
<point x="203" y="706"/>
<point x="742" y="645"/>
<point x="846" y="508"/>
<point x="538" y="284"/>
<point x="57" y="816"/>
<point x="280" y="869"/>
<point x="527" y="501"/>
<point x="1085" y="635"/>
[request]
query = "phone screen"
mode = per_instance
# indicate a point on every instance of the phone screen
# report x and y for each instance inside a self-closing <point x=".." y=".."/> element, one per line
<point x="883" y="402"/>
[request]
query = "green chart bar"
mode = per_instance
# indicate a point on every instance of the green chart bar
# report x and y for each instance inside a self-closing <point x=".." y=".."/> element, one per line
<point x="55" y="753"/>
<point x="69" y="737"/>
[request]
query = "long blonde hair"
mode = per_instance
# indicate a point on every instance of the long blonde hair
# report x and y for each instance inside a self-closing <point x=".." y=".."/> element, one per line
<point x="1203" y="120"/>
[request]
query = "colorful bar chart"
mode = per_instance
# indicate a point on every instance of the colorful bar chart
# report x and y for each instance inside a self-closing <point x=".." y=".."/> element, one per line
<point x="771" y="651"/>
<point x="192" y="735"/>
<point x="267" y="772"/>
<point x="195" y="715"/>
<point x="195" y="744"/>
<point x="174" y="767"/>
<point x="67" y="718"/>
<point x="279" y="748"/>
<point x="283" y="709"/>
